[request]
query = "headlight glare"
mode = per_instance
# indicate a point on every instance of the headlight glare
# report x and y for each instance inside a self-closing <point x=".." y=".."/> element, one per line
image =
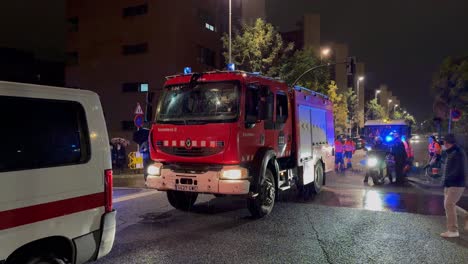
<point x="154" y="169"/>
<point x="372" y="162"/>
<point x="234" y="174"/>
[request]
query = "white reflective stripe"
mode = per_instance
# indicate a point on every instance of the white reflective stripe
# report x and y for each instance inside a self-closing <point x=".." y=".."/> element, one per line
<point x="70" y="225"/>
<point x="182" y="143"/>
<point x="203" y="143"/>
<point x="194" y="143"/>
<point x="174" y="143"/>
<point x="134" y="196"/>
<point x="166" y="143"/>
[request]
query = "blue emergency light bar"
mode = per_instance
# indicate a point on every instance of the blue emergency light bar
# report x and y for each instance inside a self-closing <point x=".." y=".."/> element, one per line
<point x="187" y="70"/>
<point x="231" y="67"/>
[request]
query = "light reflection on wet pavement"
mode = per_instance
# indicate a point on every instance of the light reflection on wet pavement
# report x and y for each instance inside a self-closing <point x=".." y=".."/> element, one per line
<point x="378" y="200"/>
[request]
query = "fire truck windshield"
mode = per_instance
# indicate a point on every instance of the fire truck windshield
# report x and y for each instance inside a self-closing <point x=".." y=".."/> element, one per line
<point x="204" y="103"/>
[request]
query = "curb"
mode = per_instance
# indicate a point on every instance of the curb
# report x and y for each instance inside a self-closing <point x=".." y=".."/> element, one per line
<point x="127" y="176"/>
<point x="425" y="183"/>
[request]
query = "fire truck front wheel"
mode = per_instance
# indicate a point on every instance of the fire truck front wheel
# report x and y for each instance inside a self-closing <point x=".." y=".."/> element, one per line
<point x="263" y="203"/>
<point x="182" y="200"/>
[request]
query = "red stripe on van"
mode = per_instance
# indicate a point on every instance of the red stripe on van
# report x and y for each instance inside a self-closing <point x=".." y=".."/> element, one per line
<point x="35" y="213"/>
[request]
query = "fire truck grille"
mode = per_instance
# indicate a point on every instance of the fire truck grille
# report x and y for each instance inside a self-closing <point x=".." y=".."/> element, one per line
<point x="192" y="152"/>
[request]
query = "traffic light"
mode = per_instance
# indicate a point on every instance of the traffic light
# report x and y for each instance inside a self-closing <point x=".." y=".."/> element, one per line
<point x="350" y="65"/>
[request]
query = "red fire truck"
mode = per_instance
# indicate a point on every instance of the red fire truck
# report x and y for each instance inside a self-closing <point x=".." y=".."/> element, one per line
<point x="238" y="133"/>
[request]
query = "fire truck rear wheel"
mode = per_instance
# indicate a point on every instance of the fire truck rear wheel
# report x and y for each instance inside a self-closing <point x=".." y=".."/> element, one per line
<point x="263" y="204"/>
<point x="182" y="200"/>
<point x="318" y="181"/>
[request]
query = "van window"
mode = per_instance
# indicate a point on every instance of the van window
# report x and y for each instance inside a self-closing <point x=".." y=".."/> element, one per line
<point x="39" y="133"/>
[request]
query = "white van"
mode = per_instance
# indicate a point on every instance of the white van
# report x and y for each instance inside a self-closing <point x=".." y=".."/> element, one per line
<point x="55" y="176"/>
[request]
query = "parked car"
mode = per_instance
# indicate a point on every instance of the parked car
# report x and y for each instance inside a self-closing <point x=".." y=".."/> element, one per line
<point x="55" y="176"/>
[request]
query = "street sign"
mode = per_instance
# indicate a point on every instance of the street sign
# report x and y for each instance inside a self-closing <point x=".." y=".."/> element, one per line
<point x="456" y="115"/>
<point x="139" y="120"/>
<point x="138" y="110"/>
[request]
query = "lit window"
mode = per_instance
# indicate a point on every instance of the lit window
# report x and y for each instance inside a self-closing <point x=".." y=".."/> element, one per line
<point x="135" y="87"/>
<point x="143" y="87"/>
<point x="209" y="27"/>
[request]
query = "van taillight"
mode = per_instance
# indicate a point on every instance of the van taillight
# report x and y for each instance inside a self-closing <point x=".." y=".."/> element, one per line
<point x="108" y="190"/>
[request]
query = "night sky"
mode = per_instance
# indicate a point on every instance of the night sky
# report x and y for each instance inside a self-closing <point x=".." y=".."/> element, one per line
<point x="37" y="26"/>
<point x="401" y="42"/>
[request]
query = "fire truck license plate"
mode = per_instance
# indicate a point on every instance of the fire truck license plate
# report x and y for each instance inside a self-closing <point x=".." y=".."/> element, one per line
<point x="186" y="188"/>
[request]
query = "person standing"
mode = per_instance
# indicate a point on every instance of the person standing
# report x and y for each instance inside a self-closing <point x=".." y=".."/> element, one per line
<point x="434" y="149"/>
<point x="339" y="152"/>
<point x="454" y="183"/>
<point x="399" y="153"/>
<point x="145" y="154"/>
<point x="349" y="148"/>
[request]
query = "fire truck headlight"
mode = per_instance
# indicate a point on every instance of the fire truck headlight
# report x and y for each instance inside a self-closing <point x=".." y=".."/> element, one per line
<point x="234" y="174"/>
<point x="372" y="162"/>
<point x="154" y="169"/>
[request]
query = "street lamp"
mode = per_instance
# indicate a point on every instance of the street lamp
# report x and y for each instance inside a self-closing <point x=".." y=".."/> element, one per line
<point x="388" y="105"/>
<point x="360" y="79"/>
<point x="325" y="52"/>
<point x="376" y="93"/>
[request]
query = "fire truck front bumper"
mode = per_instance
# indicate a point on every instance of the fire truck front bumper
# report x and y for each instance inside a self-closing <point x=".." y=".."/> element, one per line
<point x="233" y="180"/>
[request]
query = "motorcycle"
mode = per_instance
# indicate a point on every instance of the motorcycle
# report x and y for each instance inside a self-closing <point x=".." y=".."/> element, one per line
<point x="376" y="164"/>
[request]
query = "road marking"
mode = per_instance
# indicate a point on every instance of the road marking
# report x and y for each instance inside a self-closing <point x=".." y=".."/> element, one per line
<point x="134" y="196"/>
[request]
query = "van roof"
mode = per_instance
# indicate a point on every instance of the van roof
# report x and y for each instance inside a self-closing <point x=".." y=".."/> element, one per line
<point x="14" y="87"/>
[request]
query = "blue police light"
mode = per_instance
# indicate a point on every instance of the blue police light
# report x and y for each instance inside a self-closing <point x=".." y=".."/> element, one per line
<point x="403" y="138"/>
<point x="231" y="67"/>
<point x="187" y="70"/>
<point x="388" y="138"/>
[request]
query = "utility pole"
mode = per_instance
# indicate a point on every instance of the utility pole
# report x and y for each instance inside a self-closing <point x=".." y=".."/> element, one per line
<point x="230" y="32"/>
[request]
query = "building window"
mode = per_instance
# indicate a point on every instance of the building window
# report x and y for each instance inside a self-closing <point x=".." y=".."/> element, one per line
<point x="61" y="134"/>
<point x="72" y="58"/>
<point x="73" y="24"/>
<point x="135" y="49"/>
<point x="206" y="56"/>
<point x="135" y="87"/>
<point x="128" y="125"/>
<point x="132" y="11"/>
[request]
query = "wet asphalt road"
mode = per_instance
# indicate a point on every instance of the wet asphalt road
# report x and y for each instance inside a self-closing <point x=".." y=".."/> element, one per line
<point x="348" y="222"/>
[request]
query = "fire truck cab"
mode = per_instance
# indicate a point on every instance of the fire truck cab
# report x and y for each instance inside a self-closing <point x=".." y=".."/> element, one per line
<point x="238" y="133"/>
